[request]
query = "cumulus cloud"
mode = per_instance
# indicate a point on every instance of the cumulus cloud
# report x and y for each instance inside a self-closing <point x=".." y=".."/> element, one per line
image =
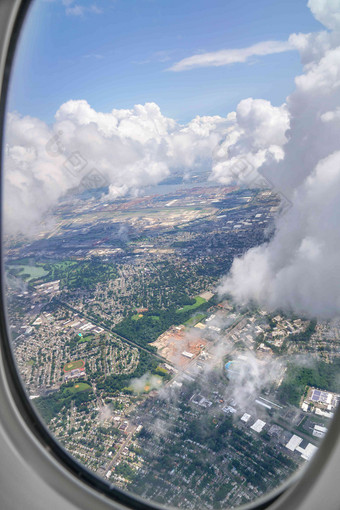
<point x="299" y="268"/>
<point x="129" y="149"/>
<point x="232" y="56"/>
<point x="257" y="135"/>
<point x="327" y="12"/>
<point x="312" y="46"/>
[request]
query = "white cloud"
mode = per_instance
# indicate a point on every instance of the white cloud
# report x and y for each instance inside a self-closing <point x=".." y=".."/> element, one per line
<point x="252" y="376"/>
<point x="312" y="47"/>
<point x="130" y="148"/>
<point x="257" y="135"/>
<point x="327" y="12"/>
<point x="146" y="382"/>
<point x="299" y="268"/>
<point x="232" y="56"/>
<point x="331" y="115"/>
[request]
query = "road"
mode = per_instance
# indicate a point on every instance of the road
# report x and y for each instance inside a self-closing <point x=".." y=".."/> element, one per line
<point x="100" y="325"/>
<point x="117" y="455"/>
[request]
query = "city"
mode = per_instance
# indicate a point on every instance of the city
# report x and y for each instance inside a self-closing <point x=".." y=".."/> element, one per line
<point x="143" y="371"/>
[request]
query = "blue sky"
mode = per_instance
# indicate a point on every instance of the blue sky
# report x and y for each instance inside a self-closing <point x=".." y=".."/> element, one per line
<point x="117" y="53"/>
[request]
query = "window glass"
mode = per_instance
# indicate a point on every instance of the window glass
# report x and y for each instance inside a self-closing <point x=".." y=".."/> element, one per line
<point x="171" y="204"/>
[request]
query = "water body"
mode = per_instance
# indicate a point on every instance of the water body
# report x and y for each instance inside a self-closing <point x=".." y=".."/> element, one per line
<point x="157" y="189"/>
<point x="167" y="189"/>
<point x="32" y="271"/>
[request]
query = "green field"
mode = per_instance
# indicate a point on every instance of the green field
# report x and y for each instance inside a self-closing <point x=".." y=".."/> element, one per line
<point x="198" y="302"/>
<point x="136" y="317"/>
<point x="30" y="272"/>
<point x="79" y="386"/>
<point x="87" y="338"/>
<point x="84" y="339"/>
<point x="80" y="363"/>
<point x="195" y="319"/>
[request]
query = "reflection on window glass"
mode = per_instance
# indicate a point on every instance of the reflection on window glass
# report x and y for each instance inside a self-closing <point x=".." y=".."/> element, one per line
<point x="171" y="206"/>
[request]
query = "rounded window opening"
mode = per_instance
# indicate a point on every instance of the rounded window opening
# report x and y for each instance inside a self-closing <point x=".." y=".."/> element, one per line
<point x="170" y="223"/>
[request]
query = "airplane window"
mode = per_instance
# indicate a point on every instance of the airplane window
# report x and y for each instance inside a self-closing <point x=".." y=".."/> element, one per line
<point x="170" y="216"/>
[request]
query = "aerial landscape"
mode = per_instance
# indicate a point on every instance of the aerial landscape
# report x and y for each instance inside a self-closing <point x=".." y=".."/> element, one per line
<point x="171" y="240"/>
<point x="143" y="371"/>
